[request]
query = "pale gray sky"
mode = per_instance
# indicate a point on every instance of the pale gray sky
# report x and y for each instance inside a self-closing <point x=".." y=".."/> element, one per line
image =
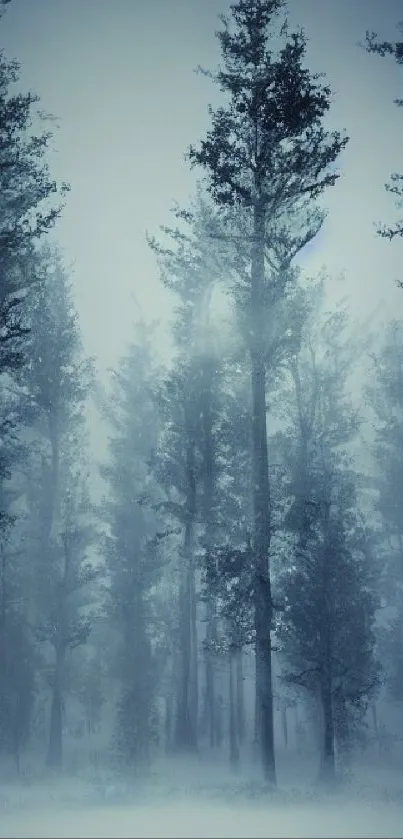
<point x="119" y="77"/>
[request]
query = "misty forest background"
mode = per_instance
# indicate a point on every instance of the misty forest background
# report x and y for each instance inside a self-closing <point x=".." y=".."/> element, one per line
<point x="237" y="596"/>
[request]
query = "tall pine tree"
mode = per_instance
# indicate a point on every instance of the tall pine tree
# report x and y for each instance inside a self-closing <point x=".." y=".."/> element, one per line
<point x="268" y="152"/>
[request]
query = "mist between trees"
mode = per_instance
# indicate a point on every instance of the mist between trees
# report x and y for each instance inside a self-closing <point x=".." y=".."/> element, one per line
<point x="239" y="590"/>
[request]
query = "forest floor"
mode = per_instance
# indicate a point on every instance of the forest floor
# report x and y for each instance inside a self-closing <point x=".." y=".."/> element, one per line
<point x="203" y="798"/>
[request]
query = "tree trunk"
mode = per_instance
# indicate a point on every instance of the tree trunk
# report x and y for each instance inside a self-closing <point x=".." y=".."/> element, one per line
<point x="183" y="725"/>
<point x="208" y="370"/>
<point x="168" y="723"/>
<point x="186" y="704"/>
<point x="240" y="701"/>
<point x="55" y="756"/>
<point x="219" y="721"/>
<point x="194" y="663"/>
<point x="399" y="663"/>
<point x="261" y="502"/>
<point x="256" y="732"/>
<point x="210" y="712"/>
<point x="5" y="650"/>
<point x="55" y="747"/>
<point x="317" y="719"/>
<point x="328" y="766"/>
<point x="3" y="590"/>
<point x="374" y="713"/>
<point x="17" y="752"/>
<point x="233" y="736"/>
<point x="285" y="725"/>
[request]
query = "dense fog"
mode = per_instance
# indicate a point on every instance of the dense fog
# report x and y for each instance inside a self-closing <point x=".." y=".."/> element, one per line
<point x="201" y="547"/>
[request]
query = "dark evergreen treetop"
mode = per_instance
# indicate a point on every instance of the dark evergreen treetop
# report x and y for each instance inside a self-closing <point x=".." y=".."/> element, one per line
<point x="268" y="142"/>
<point x="27" y="210"/>
<point x="383" y="48"/>
<point x="395" y="186"/>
